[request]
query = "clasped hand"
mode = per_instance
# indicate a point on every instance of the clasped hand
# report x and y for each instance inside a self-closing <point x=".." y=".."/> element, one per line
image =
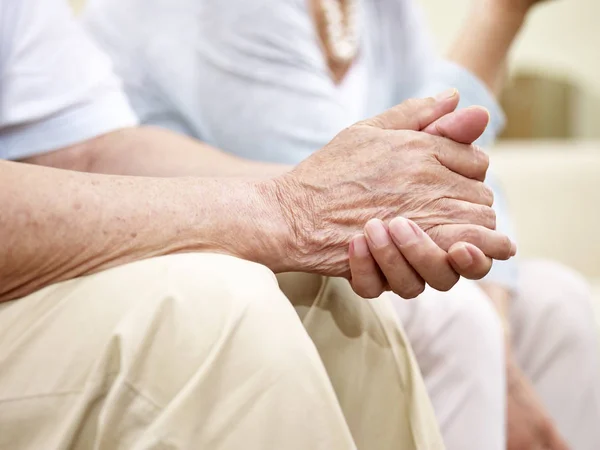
<point x="397" y="201"/>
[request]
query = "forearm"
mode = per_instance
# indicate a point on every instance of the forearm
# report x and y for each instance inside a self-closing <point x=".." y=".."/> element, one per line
<point x="56" y="225"/>
<point x="483" y="44"/>
<point x="149" y="151"/>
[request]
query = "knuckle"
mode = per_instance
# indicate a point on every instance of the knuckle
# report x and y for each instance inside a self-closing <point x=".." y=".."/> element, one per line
<point x="420" y="146"/>
<point x="470" y="235"/>
<point x="373" y="122"/>
<point x="445" y="285"/>
<point x="501" y="245"/>
<point x="367" y="291"/>
<point x="438" y="237"/>
<point x="488" y="217"/>
<point x="411" y="290"/>
<point x="356" y="133"/>
<point x="481" y="272"/>
<point x="360" y="272"/>
<point x="505" y="247"/>
<point x="487" y="195"/>
<point x="410" y="140"/>
<point x="413" y="103"/>
<point x="388" y="257"/>
<point x="482" y="158"/>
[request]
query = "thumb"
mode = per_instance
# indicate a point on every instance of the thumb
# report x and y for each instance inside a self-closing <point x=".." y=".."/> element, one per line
<point x="464" y="126"/>
<point x="415" y="114"/>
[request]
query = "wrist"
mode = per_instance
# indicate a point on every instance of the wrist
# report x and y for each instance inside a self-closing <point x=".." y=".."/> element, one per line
<point x="293" y="211"/>
<point x="237" y="217"/>
<point x="272" y="227"/>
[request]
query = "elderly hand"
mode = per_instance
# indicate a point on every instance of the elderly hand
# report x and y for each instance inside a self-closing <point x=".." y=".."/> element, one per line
<point x="385" y="168"/>
<point x="410" y="259"/>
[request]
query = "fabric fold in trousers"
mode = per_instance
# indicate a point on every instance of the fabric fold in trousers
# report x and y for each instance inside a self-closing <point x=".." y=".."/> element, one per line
<point x="204" y="351"/>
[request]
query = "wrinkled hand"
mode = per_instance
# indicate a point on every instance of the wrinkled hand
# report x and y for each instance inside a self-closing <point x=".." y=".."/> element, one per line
<point x="529" y="428"/>
<point x="404" y="258"/>
<point x="384" y="168"/>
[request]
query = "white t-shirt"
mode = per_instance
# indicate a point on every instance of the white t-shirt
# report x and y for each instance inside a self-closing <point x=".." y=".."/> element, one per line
<point x="56" y="87"/>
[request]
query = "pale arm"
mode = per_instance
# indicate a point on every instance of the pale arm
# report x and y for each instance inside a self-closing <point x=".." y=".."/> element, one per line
<point x="56" y="224"/>
<point x="150" y="151"/>
<point x="484" y="42"/>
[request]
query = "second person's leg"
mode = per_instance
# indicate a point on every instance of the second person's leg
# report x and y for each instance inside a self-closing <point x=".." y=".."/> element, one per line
<point x="458" y="342"/>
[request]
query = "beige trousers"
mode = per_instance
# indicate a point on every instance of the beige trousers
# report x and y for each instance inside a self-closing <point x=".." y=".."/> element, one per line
<point x="201" y="351"/>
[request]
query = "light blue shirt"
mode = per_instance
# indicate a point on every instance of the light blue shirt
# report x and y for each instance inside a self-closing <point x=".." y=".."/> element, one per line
<point x="249" y="77"/>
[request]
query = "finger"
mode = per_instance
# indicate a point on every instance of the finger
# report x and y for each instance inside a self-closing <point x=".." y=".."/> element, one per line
<point x="464" y="125"/>
<point x="469" y="261"/>
<point x="466" y="160"/>
<point x="425" y="257"/>
<point x="416" y="114"/>
<point x="492" y="243"/>
<point x="367" y="280"/>
<point x="451" y="212"/>
<point x="473" y="191"/>
<point x="401" y="277"/>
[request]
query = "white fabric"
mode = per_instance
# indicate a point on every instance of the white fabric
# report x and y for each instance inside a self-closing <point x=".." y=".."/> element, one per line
<point x="208" y="64"/>
<point x="354" y="88"/>
<point x="56" y="87"/>
<point x="555" y="340"/>
<point x="457" y="340"/>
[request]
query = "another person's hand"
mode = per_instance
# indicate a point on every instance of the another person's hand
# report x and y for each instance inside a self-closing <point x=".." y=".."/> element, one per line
<point x="529" y="427"/>
<point x="384" y="168"/>
<point x="410" y="259"/>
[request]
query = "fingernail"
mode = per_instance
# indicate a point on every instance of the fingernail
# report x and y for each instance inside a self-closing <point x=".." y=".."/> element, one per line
<point x="446" y="95"/>
<point x="360" y="246"/>
<point x="376" y="233"/>
<point x="405" y="231"/>
<point x="462" y="256"/>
